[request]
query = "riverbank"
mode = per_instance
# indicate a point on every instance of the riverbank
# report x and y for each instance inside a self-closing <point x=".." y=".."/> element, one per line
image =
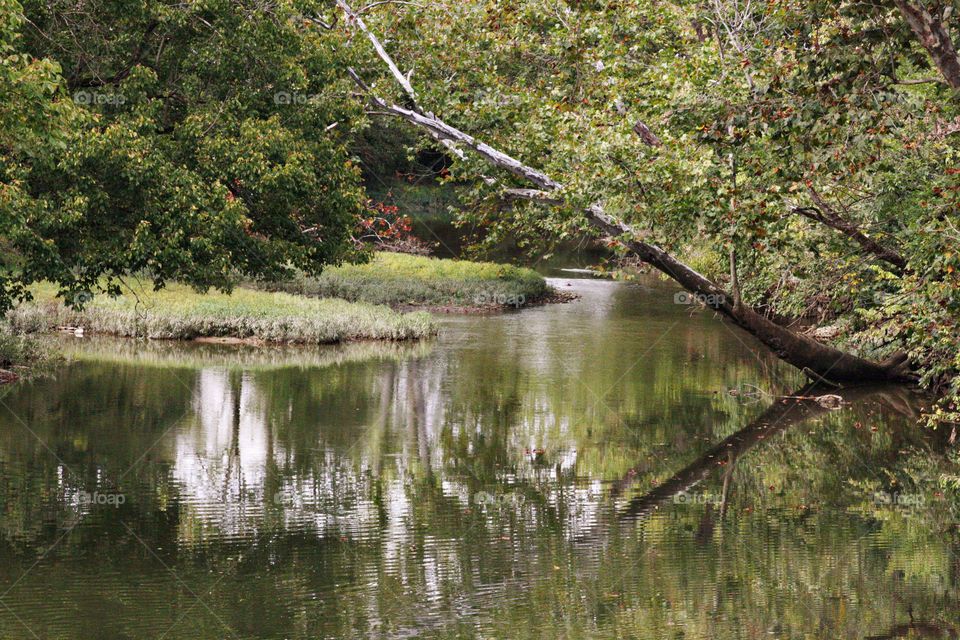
<point x="199" y="354"/>
<point x="406" y="282"/>
<point x="177" y="312"/>
<point x="387" y="299"/>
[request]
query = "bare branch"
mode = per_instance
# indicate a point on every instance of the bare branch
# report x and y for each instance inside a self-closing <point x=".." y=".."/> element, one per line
<point x="648" y="136"/>
<point x="921" y="81"/>
<point x="826" y="215"/>
<point x="355" y="18"/>
<point x="321" y="23"/>
<point x="377" y="4"/>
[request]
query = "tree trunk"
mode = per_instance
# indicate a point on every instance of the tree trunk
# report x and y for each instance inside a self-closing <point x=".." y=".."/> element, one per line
<point x="851" y="231"/>
<point x="798" y="350"/>
<point x="934" y="37"/>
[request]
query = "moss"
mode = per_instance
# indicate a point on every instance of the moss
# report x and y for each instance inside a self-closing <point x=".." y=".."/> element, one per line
<point x="180" y="313"/>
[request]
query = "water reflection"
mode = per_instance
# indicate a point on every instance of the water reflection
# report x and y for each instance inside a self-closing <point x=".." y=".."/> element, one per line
<point x="516" y="478"/>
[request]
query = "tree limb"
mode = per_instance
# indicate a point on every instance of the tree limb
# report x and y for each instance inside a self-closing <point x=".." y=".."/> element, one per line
<point x="135" y="59"/>
<point x="827" y="215"/>
<point x="934" y="37"/>
<point x="355" y="18"/>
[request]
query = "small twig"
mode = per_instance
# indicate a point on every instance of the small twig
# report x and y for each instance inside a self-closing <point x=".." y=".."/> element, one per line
<point x="321" y="23"/>
<point x="920" y="81"/>
<point x="372" y="5"/>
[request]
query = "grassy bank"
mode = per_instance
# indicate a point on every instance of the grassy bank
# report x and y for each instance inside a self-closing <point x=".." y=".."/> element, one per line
<point x="404" y="281"/>
<point x="179" y="313"/>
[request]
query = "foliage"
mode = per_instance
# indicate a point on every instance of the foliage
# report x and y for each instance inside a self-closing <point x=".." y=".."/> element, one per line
<point x="767" y="113"/>
<point x="389" y="230"/>
<point x="197" y="140"/>
<point x="27" y="353"/>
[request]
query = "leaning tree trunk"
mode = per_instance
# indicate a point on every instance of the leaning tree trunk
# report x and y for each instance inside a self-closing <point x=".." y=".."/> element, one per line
<point x="800" y="351"/>
<point x="796" y="349"/>
<point x="827" y="215"/>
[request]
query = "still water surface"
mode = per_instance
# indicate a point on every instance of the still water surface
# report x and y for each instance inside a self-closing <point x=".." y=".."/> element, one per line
<point x="615" y="467"/>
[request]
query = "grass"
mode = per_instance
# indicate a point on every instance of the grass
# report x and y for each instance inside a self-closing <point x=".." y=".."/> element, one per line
<point x="178" y="312"/>
<point x="26" y="355"/>
<point x="404" y="281"/>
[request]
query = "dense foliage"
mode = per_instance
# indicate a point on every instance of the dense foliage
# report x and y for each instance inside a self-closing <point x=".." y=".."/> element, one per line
<point x="189" y="142"/>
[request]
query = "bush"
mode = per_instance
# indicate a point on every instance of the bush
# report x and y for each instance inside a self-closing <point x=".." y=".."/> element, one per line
<point x="26" y="353"/>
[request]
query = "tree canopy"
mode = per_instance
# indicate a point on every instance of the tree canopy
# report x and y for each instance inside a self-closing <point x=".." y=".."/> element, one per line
<point x="193" y="142"/>
<point x="813" y="145"/>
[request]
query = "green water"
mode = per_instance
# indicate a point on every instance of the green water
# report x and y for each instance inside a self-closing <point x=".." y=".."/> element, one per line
<point x="616" y="467"/>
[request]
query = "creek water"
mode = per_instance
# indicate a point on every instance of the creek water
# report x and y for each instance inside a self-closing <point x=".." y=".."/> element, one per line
<point x="619" y="466"/>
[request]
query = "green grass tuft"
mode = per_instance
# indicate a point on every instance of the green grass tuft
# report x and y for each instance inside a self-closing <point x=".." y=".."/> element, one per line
<point x="402" y="280"/>
<point x="178" y="312"/>
<point x="261" y="357"/>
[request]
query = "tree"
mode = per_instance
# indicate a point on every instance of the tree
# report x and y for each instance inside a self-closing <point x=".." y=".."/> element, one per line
<point x="928" y="26"/>
<point x="199" y="142"/>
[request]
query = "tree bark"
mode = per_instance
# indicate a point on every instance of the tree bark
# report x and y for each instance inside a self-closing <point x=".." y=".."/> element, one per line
<point x="934" y="37"/>
<point x="851" y="231"/>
